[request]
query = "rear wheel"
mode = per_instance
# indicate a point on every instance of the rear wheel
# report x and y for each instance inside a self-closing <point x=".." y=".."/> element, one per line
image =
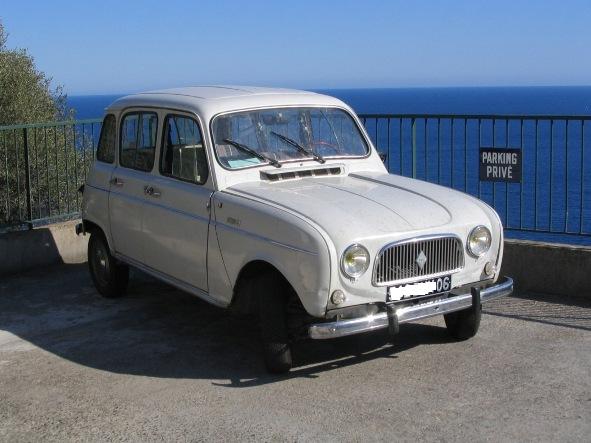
<point x="464" y="324"/>
<point x="109" y="276"/>
<point x="273" y="300"/>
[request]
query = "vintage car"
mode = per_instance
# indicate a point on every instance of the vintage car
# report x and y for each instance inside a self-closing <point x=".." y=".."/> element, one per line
<point x="274" y="202"/>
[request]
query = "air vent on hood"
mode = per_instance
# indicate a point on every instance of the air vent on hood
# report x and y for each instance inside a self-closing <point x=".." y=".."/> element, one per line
<point x="290" y="174"/>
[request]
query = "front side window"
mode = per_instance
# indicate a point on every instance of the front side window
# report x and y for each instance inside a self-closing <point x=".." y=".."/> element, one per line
<point x="105" y="151"/>
<point x="183" y="154"/>
<point x="285" y="134"/>
<point x="138" y="140"/>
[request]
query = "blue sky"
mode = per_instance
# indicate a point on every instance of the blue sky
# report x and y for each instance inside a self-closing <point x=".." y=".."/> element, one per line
<point x="101" y="47"/>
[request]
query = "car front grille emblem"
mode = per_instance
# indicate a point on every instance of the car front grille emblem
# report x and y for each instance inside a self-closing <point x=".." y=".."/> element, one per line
<point x="421" y="260"/>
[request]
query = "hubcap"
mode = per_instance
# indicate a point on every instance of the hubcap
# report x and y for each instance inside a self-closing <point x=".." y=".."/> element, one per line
<point x="101" y="264"/>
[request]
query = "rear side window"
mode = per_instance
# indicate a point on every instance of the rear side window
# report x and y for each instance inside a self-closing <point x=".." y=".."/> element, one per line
<point x="138" y="140"/>
<point x="183" y="155"/>
<point x="105" y="151"/>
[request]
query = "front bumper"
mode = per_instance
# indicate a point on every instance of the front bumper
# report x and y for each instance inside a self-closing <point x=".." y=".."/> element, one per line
<point x="408" y="314"/>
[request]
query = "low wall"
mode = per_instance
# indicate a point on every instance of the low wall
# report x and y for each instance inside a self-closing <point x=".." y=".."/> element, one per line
<point x="548" y="268"/>
<point x="48" y="245"/>
<point x="535" y="267"/>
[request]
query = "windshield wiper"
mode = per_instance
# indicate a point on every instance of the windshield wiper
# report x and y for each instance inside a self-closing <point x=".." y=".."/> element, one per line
<point x="252" y="152"/>
<point x="299" y="147"/>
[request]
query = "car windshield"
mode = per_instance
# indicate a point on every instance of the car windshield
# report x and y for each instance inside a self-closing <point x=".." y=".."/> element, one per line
<point x="285" y="134"/>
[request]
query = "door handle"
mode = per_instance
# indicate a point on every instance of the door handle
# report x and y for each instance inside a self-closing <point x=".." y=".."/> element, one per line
<point x="117" y="181"/>
<point x="149" y="190"/>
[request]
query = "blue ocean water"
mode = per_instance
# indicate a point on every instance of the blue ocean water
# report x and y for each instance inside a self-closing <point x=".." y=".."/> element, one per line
<point x="555" y="193"/>
<point x="548" y="100"/>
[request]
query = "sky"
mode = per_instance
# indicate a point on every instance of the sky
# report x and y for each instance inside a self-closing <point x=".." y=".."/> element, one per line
<point x="111" y="47"/>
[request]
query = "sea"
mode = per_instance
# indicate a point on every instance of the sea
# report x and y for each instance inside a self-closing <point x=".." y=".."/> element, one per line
<point x="553" y="201"/>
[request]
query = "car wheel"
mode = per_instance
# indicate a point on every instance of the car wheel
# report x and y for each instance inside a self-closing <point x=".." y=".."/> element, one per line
<point x="273" y="324"/>
<point x="108" y="275"/>
<point x="464" y="324"/>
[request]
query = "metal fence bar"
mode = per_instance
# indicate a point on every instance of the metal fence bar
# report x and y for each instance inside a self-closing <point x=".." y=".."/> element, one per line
<point x="551" y="172"/>
<point x="507" y="184"/>
<point x="37" y="190"/>
<point x="479" y="144"/>
<point x="451" y="150"/>
<point x="438" y="150"/>
<point x="465" y="155"/>
<point x="521" y="187"/>
<point x="581" y="227"/>
<point x="5" y="145"/>
<point x="536" y="179"/>
<point x="566" y="179"/>
<point x="18" y="180"/>
<point x="57" y="182"/>
<point x="494" y="143"/>
<point x="400" y="144"/>
<point x="75" y="162"/>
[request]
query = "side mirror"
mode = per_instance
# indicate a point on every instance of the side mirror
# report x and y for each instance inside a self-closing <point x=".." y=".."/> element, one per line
<point x="383" y="156"/>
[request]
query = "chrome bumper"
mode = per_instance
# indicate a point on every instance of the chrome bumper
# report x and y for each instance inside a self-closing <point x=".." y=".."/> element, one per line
<point x="408" y="314"/>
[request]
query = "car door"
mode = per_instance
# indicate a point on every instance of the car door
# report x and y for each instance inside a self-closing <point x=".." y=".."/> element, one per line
<point x="176" y="214"/>
<point x="130" y="179"/>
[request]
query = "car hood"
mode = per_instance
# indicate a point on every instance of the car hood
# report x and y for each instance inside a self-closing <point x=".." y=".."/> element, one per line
<point x="368" y="204"/>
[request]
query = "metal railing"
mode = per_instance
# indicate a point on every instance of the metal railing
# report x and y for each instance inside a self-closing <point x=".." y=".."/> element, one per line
<point x="42" y="166"/>
<point x="41" y="169"/>
<point x="553" y="200"/>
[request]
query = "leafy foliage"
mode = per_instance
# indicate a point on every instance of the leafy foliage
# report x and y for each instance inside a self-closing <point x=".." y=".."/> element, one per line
<point x="26" y="95"/>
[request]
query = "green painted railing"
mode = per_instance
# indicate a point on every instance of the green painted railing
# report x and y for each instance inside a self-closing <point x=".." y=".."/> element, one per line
<point x="41" y="168"/>
<point x="43" y="165"/>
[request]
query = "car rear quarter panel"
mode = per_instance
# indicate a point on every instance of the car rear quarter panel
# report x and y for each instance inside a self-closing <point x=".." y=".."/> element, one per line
<point x="95" y="206"/>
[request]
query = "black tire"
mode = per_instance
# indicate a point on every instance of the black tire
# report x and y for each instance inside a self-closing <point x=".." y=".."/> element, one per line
<point x="108" y="275"/>
<point x="273" y="299"/>
<point x="464" y="324"/>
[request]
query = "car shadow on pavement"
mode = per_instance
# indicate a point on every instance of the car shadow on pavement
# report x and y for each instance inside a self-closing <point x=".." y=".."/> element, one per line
<point x="158" y="331"/>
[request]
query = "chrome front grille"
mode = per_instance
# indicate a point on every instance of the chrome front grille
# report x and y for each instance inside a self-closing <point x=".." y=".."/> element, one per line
<point x="418" y="259"/>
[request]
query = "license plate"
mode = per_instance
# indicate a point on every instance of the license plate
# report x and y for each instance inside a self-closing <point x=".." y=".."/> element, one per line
<point x="433" y="286"/>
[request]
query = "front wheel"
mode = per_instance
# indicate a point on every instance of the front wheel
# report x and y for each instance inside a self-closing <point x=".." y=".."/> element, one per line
<point x="273" y="323"/>
<point x="108" y="275"/>
<point x="464" y="324"/>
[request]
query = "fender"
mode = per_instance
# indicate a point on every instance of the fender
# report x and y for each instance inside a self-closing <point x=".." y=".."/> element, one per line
<point x="251" y="230"/>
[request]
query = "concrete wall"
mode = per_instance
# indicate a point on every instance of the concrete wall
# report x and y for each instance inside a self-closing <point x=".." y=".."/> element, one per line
<point x="548" y="268"/>
<point x="58" y="243"/>
<point x="535" y="267"/>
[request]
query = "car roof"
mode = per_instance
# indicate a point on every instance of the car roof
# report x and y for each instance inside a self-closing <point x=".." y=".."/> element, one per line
<point x="210" y="100"/>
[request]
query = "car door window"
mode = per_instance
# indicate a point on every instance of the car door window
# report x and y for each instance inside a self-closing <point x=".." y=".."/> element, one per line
<point x="138" y="140"/>
<point x="183" y="154"/>
<point x="105" y="151"/>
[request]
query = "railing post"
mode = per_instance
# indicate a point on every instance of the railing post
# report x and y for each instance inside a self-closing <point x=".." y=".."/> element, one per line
<point x="414" y="148"/>
<point x="27" y="176"/>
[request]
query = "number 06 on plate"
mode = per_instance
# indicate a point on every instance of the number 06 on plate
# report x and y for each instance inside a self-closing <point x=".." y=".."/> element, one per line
<point x="433" y="286"/>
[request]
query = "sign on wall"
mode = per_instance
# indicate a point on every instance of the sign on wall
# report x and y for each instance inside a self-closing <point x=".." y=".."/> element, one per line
<point x="500" y="165"/>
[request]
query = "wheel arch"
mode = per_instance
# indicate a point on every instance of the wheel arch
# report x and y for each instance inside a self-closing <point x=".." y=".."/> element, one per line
<point x="91" y="227"/>
<point x="249" y="281"/>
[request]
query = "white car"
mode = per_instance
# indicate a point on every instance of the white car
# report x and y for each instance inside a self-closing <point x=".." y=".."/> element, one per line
<point x="275" y="201"/>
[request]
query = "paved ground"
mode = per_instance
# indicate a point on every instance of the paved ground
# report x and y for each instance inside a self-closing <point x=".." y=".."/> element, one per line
<point x="161" y="365"/>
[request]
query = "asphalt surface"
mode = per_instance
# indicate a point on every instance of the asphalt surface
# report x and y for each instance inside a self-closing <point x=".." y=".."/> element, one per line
<point x="161" y="365"/>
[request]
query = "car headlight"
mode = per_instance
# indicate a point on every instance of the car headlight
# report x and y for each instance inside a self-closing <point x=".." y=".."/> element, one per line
<point x="355" y="261"/>
<point x="479" y="241"/>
